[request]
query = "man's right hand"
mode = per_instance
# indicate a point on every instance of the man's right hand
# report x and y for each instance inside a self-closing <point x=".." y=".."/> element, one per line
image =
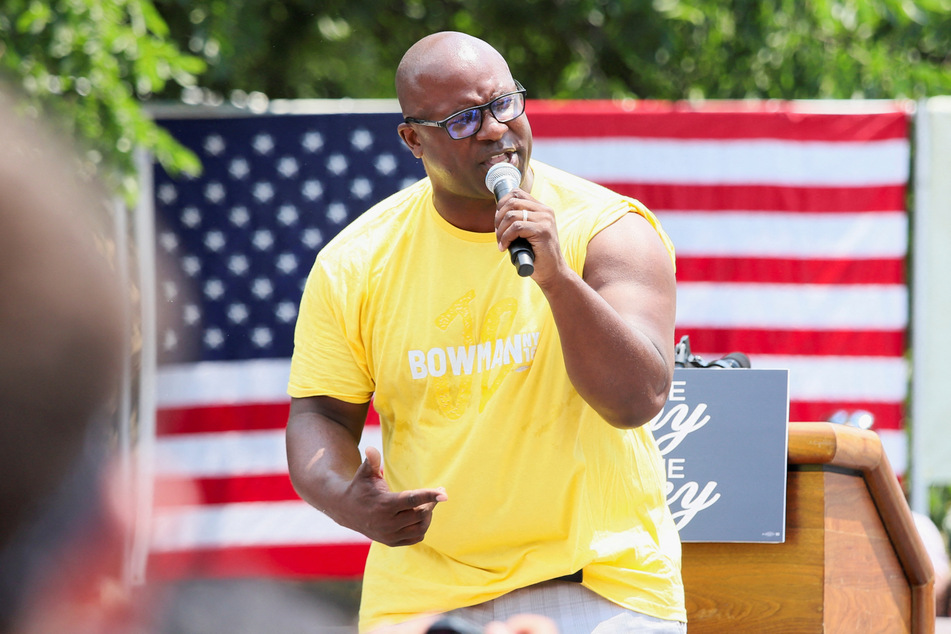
<point x="324" y="462"/>
<point x="393" y="519"/>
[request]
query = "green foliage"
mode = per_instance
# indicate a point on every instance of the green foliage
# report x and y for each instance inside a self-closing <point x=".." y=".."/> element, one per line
<point x="939" y="509"/>
<point x="939" y="505"/>
<point x="92" y="63"/>
<point x="665" y="49"/>
<point x="87" y="65"/>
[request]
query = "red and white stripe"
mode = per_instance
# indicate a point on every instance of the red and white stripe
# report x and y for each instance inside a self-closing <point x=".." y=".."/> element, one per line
<point x="225" y="505"/>
<point x="790" y="229"/>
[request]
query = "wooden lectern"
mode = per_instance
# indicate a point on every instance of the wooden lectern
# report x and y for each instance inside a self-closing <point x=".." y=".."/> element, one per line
<point x="852" y="560"/>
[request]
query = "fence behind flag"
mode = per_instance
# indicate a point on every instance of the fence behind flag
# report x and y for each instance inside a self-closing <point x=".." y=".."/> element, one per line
<point x="791" y="236"/>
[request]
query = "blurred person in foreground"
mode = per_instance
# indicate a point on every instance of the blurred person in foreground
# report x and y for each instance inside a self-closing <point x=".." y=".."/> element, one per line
<point x="937" y="550"/>
<point x="65" y="514"/>
<point x="61" y="329"/>
<point x="519" y="474"/>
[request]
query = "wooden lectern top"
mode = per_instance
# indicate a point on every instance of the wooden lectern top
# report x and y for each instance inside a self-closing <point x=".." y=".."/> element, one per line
<point x="853" y="560"/>
<point x="851" y="448"/>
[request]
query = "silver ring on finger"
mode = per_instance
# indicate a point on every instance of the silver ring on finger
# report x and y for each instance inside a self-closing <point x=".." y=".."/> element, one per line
<point x="525" y="215"/>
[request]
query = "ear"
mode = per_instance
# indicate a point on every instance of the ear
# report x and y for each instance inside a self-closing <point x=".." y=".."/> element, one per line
<point x="411" y="139"/>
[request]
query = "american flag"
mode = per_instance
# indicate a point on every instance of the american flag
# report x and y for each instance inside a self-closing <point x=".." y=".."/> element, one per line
<point x="791" y="233"/>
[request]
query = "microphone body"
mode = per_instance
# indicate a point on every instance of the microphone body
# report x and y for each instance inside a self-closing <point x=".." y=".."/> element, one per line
<point x="500" y="180"/>
<point x="733" y="360"/>
<point x="684" y="358"/>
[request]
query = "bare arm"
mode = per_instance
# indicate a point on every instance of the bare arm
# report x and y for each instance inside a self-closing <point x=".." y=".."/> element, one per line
<point x="322" y="447"/>
<point x="328" y="473"/>
<point x="616" y="324"/>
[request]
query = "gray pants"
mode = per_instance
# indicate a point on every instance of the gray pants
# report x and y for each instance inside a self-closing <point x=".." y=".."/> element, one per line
<point x="574" y="608"/>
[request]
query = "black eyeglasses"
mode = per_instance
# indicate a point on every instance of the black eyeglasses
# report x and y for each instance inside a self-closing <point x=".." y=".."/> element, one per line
<point x="467" y="122"/>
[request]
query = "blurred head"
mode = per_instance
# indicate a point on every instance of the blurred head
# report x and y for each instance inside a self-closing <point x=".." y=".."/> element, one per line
<point x="446" y="73"/>
<point x="61" y="322"/>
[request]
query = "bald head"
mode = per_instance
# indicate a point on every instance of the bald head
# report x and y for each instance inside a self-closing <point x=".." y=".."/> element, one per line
<point x="449" y="73"/>
<point x="440" y="58"/>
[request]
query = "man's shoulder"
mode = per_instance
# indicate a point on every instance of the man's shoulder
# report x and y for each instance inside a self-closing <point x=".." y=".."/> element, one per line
<point x="584" y="207"/>
<point x="560" y="177"/>
<point x="566" y="184"/>
<point x="575" y="198"/>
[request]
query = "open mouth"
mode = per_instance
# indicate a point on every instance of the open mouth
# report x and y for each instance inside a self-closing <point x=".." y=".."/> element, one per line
<point x="504" y="157"/>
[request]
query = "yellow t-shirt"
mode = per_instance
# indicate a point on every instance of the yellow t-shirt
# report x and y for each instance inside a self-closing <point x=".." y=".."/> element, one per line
<point x="463" y="361"/>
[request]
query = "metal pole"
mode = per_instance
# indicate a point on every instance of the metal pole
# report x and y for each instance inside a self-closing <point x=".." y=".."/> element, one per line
<point x="919" y="284"/>
<point x="124" y="406"/>
<point x="145" y="453"/>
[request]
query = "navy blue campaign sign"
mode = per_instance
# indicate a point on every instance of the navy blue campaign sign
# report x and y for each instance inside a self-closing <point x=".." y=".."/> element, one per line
<point x="723" y="436"/>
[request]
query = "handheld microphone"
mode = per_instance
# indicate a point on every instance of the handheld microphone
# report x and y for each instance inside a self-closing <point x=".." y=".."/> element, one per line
<point x="501" y="179"/>
<point x="684" y="358"/>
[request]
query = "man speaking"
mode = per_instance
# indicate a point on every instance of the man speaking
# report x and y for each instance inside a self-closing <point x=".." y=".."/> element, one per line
<point x="519" y="473"/>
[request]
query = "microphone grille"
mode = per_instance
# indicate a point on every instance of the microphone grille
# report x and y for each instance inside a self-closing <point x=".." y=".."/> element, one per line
<point x="501" y="171"/>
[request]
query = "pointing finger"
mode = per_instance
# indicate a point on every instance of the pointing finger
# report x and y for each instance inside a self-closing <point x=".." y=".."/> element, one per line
<point x="421" y="497"/>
